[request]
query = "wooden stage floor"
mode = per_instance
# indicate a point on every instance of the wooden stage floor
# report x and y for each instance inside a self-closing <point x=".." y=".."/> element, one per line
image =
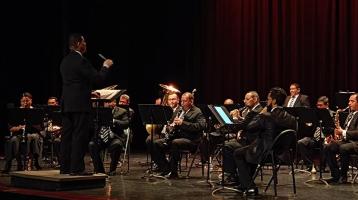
<point x="133" y="186"/>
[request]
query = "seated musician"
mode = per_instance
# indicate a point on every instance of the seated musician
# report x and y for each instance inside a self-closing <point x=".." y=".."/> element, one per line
<point x="306" y="144"/>
<point x="262" y="130"/>
<point x="187" y="130"/>
<point x="24" y="133"/>
<point x="242" y="117"/>
<point x="53" y="129"/>
<point x="121" y="120"/>
<point x="173" y="102"/>
<point x="346" y="145"/>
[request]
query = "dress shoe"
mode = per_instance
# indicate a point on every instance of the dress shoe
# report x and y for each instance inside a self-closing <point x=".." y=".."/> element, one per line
<point x="172" y="175"/>
<point x="253" y="191"/>
<point x="112" y="173"/>
<point x="83" y="173"/>
<point x="64" y="172"/>
<point x="37" y="165"/>
<point x="343" y="180"/>
<point x="333" y="181"/>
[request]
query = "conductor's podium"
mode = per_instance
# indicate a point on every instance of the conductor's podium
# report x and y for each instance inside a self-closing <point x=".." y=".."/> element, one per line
<point x="53" y="180"/>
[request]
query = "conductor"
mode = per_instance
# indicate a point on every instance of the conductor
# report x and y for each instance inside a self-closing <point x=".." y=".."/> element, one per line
<point x="78" y="77"/>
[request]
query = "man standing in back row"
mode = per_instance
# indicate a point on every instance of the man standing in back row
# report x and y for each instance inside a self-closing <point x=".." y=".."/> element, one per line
<point x="78" y="76"/>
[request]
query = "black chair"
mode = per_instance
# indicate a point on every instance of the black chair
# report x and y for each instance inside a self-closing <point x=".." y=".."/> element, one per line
<point x="280" y="153"/>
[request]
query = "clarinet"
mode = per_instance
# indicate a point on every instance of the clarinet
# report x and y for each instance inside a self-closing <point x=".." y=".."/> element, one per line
<point x="171" y="129"/>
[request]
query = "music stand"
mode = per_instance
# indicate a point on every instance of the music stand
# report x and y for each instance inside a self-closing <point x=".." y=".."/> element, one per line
<point x="154" y="114"/>
<point x="53" y="114"/>
<point x="29" y="117"/>
<point x="306" y="121"/>
<point x="326" y="121"/>
<point x="227" y="123"/>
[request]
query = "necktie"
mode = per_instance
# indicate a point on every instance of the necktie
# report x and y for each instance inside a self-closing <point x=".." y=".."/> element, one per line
<point x="290" y="103"/>
<point x="317" y="134"/>
<point x="349" y="118"/>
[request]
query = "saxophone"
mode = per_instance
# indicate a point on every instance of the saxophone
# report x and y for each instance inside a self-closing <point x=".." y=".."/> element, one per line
<point x="336" y="137"/>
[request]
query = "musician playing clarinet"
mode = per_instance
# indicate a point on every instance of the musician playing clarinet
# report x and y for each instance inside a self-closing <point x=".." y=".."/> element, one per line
<point x="347" y="145"/>
<point x="121" y="119"/>
<point x="187" y="129"/>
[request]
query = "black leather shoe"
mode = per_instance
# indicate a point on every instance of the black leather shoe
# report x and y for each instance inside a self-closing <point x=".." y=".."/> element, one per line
<point x="83" y="173"/>
<point x="112" y="173"/>
<point x="37" y="166"/>
<point x="333" y="181"/>
<point x="172" y="175"/>
<point x="254" y="191"/>
<point x="343" y="180"/>
<point x="64" y="172"/>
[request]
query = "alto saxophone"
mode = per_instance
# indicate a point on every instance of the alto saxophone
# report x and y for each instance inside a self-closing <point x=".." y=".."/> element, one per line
<point x="338" y="125"/>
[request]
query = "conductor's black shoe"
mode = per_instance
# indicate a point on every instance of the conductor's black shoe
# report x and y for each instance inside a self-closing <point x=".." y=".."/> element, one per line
<point x="83" y="173"/>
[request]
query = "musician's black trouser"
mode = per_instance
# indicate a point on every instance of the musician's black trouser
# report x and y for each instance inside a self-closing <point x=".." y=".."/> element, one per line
<point x="114" y="148"/>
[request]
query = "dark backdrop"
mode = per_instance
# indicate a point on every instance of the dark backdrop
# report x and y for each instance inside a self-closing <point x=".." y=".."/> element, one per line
<point x="221" y="48"/>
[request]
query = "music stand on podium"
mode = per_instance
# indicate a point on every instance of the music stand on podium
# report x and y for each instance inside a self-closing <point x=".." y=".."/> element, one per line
<point x="325" y="121"/>
<point x="154" y="114"/>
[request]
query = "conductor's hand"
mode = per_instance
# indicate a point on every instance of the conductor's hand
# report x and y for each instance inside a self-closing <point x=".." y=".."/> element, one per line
<point x="108" y="63"/>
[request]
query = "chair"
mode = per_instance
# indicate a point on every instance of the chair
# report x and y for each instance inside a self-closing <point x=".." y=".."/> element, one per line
<point x="284" y="142"/>
<point x="354" y="166"/>
<point x="199" y="151"/>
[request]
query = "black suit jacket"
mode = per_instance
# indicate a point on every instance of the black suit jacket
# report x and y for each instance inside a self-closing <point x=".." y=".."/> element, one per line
<point x="266" y="127"/>
<point x="78" y="77"/>
<point x="352" y="132"/>
<point x="193" y="124"/>
<point x="301" y="101"/>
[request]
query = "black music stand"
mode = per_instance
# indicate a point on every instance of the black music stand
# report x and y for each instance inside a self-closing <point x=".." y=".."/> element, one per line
<point x="30" y="117"/>
<point x="227" y="124"/>
<point x="154" y="114"/>
<point x="325" y="122"/>
<point x="306" y="122"/>
<point x="53" y="114"/>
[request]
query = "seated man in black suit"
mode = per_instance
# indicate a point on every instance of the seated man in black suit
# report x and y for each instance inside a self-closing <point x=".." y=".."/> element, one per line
<point x="306" y="144"/>
<point x="262" y="130"/>
<point x="296" y="99"/>
<point x="185" y="135"/>
<point x="346" y="146"/>
<point x="242" y="117"/>
<point x="121" y="120"/>
<point x="29" y="134"/>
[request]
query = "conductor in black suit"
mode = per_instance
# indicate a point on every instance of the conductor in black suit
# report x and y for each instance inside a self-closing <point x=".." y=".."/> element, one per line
<point x="78" y="77"/>
<point x="296" y="99"/>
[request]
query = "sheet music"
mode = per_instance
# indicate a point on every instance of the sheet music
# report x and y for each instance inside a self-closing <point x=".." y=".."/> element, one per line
<point x="109" y="94"/>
